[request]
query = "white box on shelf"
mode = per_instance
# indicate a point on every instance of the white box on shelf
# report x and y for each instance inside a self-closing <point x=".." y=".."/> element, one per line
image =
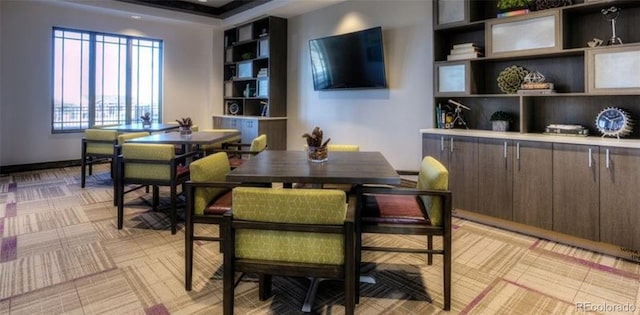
<point x="263" y="48"/>
<point x="245" y="33"/>
<point x="453" y="78"/>
<point x="613" y="69"/>
<point x="263" y="87"/>
<point x="245" y="69"/>
<point x="524" y="34"/>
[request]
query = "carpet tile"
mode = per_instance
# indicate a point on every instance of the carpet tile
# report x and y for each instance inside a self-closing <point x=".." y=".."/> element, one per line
<point x="60" y="253"/>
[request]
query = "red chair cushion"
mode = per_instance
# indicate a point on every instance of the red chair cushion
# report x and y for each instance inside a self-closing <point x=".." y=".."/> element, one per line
<point x="235" y="162"/>
<point x="396" y="209"/>
<point x="220" y="205"/>
<point x="182" y="170"/>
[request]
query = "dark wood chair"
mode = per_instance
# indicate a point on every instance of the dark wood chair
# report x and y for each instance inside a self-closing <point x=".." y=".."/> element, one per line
<point x="425" y="210"/>
<point x="208" y="199"/>
<point x="289" y="232"/>
<point x="155" y="165"/>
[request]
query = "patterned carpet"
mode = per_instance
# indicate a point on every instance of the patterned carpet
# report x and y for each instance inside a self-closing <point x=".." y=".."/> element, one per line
<point x="61" y="253"/>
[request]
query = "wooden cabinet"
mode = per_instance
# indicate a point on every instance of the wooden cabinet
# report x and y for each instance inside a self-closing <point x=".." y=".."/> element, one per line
<point x="495" y="172"/>
<point x="561" y="54"/>
<point x="576" y="190"/>
<point x="460" y="156"/>
<point x="532" y="184"/>
<point x="250" y="127"/>
<point x="619" y="197"/>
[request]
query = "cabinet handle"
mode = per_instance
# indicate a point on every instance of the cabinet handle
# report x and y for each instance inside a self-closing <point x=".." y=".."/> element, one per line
<point x="518" y="150"/>
<point x="451" y="147"/>
<point x="441" y="143"/>
<point x="607" y="158"/>
<point x="590" y="161"/>
<point x="505" y="150"/>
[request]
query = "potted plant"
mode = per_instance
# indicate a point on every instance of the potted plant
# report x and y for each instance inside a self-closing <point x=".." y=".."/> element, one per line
<point x="146" y="119"/>
<point x="317" y="150"/>
<point x="500" y="120"/>
<point x="185" y="125"/>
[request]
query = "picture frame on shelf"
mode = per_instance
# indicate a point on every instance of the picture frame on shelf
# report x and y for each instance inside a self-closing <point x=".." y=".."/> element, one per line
<point x="525" y="34"/>
<point x="613" y="69"/>
<point x="263" y="48"/>
<point x="245" y="33"/>
<point x="451" y="11"/>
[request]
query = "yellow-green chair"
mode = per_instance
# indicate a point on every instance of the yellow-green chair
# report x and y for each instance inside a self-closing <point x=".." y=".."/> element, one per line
<point x="425" y="210"/>
<point x="208" y="199"/>
<point x="238" y="156"/>
<point x="97" y="146"/>
<point x="155" y="165"/>
<point x="122" y="138"/>
<point x="289" y="232"/>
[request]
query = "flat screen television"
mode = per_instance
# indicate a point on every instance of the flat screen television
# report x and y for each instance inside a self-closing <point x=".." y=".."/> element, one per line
<point x="348" y="61"/>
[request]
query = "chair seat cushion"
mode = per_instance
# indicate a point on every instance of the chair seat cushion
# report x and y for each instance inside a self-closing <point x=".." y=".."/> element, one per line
<point x="235" y="162"/>
<point x="220" y="205"/>
<point x="392" y="209"/>
<point x="182" y="171"/>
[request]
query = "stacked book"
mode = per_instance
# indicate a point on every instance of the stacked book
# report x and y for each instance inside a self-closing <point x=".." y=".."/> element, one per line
<point x="513" y="13"/>
<point x="262" y="73"/>
<point x="533" y="88"/>
<point x="464" y="51"/>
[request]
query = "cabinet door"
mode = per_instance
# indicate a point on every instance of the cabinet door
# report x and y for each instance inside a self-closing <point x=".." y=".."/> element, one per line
<point x="532" y="184"/>
<point x="433" y="145"/>
<point x="495" y="170"/>
<point x="576" y="190"/>
<point x="462" y="162"/>
<point x="249" y="130"/>
<point x="619" y="198"/>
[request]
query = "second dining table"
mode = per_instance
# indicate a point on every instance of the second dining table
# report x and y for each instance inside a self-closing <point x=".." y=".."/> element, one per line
<point x="193" y="139"/>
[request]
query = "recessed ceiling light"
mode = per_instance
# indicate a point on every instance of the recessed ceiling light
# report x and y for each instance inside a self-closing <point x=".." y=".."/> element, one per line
<point x="135" y="17"/>
<point x="202" y="0"/>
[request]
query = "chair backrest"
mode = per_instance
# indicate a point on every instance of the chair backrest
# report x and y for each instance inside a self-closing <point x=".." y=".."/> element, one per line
<point x="131" y="135"/>
<point x="150" y="153"/>
<point x="433" y="175"/>
<point x="259" y="143"/>
<point x="295" y="206"/>
<point x="343" y="147"/>
<point x="100" y="141"/>
<point x="212" y="168"/>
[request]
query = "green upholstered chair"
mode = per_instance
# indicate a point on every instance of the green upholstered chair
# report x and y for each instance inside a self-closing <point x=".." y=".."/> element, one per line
<point x="206" y="149"/>
<point x="245" y="151"/>
<point x="425" y="210"/>
<point x="122" y="138"/>
<point x="97" y="146"/>
<point x="208" y="199"/>
<point x="151" y="164"/>
<point x="289" y="232"/>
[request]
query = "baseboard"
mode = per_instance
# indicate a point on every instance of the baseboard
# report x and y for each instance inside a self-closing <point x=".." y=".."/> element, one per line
<point x="599" y="247"/>
<point x="8" y="169"/>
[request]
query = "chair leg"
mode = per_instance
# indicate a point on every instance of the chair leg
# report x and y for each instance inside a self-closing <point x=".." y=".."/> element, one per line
<point x="228" y="285"/>
<point x="264" y="286"/>
<point x="83" y="171"/>
<point x="155" y="199"/>
<point x="188" y="250"/>
<point x="90" y="166"/>
<point x="446" y="244"/>
<point x="430" y="247"/>
<point x="174" y="211"/>
<point x="120" y="202"/>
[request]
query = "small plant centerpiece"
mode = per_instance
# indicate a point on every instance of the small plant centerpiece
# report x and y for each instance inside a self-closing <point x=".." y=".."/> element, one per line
<point x="500" y="120"/>
<point x="146" y="119"/>
<point x="185" y="125"/>
<point x="316" y="149"/>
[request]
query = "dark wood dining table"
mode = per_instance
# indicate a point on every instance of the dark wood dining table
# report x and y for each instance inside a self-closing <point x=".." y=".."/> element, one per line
<point x="195" y="138"/>
<point x="293" y="167"/>
<point x="140" y="127"/>
<point x="356" y="168"/>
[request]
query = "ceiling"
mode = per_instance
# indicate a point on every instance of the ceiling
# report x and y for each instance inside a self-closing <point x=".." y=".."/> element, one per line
<point x="220" y="9"/>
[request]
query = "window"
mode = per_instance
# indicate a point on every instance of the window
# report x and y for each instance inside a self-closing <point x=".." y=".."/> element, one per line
<point x="104" y="79"/>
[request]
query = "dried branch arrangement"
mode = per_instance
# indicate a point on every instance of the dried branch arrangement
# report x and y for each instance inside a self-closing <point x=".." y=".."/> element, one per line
<point x="185" y="122"/>
<point x="315" y="138"/>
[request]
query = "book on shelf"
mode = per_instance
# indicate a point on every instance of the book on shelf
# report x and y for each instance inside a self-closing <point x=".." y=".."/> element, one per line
<point x="470" y="55"/>
<point x="536" y="91"/>
<point x="536" y="86"/>
<point x="457" y="51"/>
<point x="513" y="13"/>
<point x="464" y="45"/>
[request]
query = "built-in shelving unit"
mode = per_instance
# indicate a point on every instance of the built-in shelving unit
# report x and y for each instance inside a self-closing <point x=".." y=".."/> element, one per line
<point x="255" y="80"/>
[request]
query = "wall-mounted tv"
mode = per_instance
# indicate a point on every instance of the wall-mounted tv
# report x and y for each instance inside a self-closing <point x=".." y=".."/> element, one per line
<point x="348" y="61"/>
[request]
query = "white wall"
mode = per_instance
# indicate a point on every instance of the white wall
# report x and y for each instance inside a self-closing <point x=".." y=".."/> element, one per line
<point x="377" y="120"/>
<point x="192" y="73"/>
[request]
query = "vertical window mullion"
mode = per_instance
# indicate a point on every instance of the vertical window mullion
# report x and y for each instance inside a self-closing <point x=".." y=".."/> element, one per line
<point x="128" y="86"/>
<point x="92" y="79"/>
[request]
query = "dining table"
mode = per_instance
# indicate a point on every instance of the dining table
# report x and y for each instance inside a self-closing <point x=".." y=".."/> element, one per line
<point x="137" y="127"/>
<point x="189" y="141"/>
<point x="287" y="167"/>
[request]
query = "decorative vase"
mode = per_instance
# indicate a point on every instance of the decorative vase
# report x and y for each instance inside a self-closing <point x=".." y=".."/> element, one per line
<point x="185" y="131"/>
<point x="500" y="125"/>
<point x="146" y="123"/>
<point x="317" y="154"/>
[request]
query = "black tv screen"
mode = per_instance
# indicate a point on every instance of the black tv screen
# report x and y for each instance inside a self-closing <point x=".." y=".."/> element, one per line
<point x="348" y="61"/>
